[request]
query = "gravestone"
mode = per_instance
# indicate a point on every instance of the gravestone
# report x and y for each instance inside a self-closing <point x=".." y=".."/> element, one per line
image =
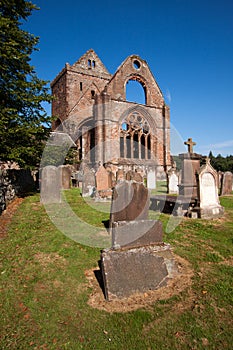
<point x="65" y="176"/>
<point x="130" y="201"/>
<point x="190" y="166"/>
<point x="50" y="185"/>
<point x="137" y="177"/>
<point x="103" y="180"/>
<point x="209" y="205"/>
<point x="173" y="183"/>
<point x="129" y="175"/>
<point x="138" y="260"/>
<point x="151" y="180"/>
<point x="88" y="182"/>
<point x="226" y="183"/>
<point x="120" y="175"/>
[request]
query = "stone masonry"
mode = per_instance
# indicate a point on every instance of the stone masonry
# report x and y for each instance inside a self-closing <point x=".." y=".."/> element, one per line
<point x="90" y="104"/>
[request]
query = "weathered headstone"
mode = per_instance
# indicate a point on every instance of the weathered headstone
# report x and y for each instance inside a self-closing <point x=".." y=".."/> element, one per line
<point x="129" y="175"/>
<point x="120" y="176"/>
<point x="50" y="185"/>
<point x="173" y="182"/>
<point x="88" y="183"/>
<point x="65" y="176"/>
<point x="151" y="180"/>
<point x="139" y="270"/>
<point x="138" y="260"/>
<point x="226" y="185"/>
<point x="190" y="166"/>
<point x="102" y="179"/>
<point x="137" y="177"/>
<point x="130" y="201"/>
<point x="208" y="192"/>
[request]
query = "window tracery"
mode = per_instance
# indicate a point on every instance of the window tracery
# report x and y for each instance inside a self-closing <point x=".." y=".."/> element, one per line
<point x="135" y="139"/>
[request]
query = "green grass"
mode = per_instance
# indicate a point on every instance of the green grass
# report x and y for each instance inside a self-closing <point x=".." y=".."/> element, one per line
<point x="45" y="290"/>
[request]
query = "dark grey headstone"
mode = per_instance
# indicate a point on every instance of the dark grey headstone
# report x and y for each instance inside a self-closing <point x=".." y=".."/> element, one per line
<point x="50" y="185"/>
<point x="136" y="233"/>
<point x="130" y="201"/>
<point x="126" y="272"/>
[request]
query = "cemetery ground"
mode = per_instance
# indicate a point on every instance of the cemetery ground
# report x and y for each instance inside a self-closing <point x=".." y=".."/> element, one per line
<point x="52" y="300"/>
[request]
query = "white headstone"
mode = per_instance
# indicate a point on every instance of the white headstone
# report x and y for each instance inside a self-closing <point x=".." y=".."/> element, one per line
<point x="151" y="180"/>
<point x="208" y="192"/>
<point x="173" y="182"/>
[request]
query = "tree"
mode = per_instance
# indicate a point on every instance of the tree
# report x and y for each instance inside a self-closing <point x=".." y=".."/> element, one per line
<point x="220" y="163"/>
<point x="24" y="123"/>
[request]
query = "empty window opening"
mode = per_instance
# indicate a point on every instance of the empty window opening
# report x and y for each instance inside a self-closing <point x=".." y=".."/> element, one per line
<point x="122" y="147"/>
<point x="135" y="146"/>
<point x="92" y="93"/>
<point x="149" y="147"/>
<point x="143" y="144"/>
<point x="89" y="63"/>
<point x="135" y="92"/>
<point x="136" y="64"/>
<point x="93" y="64"/>
<point x="81" y="86"/>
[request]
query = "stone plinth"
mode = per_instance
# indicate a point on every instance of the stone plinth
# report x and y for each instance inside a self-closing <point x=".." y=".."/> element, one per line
<point x="136" y="233"/>
<point x="139" y="270"/>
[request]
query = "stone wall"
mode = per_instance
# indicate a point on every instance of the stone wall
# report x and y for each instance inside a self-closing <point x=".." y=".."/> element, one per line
<point x="14" y="183"/>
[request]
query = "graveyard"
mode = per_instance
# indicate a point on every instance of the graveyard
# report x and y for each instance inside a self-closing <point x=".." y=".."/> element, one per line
<point x="51" y="297"/>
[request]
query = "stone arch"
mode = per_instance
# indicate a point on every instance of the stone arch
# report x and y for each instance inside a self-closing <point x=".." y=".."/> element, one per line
<point x="86" y="140"/>
<point x="141" y="81"/>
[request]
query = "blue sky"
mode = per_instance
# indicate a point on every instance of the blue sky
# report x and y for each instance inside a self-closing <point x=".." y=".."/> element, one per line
<point x="188" y="45"/>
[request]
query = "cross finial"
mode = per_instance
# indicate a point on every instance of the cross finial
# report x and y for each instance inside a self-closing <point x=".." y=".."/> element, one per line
<point x="190" y="144"/>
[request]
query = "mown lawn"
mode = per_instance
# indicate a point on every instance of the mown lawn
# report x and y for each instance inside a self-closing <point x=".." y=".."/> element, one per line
<point x="45" y="292"/>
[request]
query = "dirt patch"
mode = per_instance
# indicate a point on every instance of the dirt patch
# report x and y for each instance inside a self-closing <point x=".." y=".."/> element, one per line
<point x="140" y="300"/>
<point x="46" y="259"/>
<point x="7" y="215"/>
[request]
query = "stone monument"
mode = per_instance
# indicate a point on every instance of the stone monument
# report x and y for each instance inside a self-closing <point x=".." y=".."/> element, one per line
<point x="207" y="179"/>
<point x="50" y="185"/>
<point x="226" y="183"/>
<point x="65" y="176"/>
<point x="138" y="260"/>
<point x="173" y="182"/>
<point x="151" y="179"/>
<point x="190" y="166"/>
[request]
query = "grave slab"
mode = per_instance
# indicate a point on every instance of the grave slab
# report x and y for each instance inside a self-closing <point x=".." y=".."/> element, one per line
<point x="139" y="270"/>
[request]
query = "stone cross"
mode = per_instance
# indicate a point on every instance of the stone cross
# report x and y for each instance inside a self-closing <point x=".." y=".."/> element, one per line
<point x="190" y="144"/>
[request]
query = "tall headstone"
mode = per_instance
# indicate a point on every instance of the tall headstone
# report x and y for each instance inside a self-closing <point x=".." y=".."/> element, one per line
<point x="151" y="179"/>
<point x="209" y="205"/>
<point x="226" y="183"/>
<point x="65" y="176"/>
<point x="173" y="182"/>
<point x="50" y="185"/>
<point x="103" y="179"/>
<point x="190" y="166"/>
<point x="130" y="201"/>
<point x="88" y="182"/>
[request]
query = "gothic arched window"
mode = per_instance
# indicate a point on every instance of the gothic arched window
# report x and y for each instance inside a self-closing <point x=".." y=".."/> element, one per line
<point x="135" y="140"/>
